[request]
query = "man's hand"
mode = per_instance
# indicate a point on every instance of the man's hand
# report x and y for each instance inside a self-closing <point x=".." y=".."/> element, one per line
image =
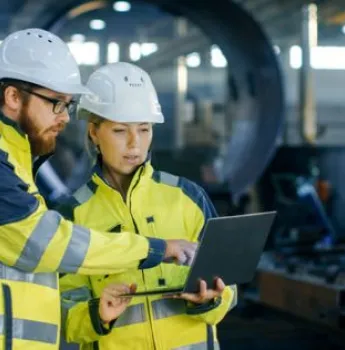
<point x="180" y="251"/>
<point x="205" y="295"/>
<point x="111" y="304"/>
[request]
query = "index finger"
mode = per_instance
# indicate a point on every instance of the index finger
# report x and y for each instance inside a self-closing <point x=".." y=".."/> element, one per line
<point x="220" y="285"/>
<point x="117" y="289"/>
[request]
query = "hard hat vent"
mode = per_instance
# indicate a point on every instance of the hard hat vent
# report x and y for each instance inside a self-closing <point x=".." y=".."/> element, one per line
<point x="40" y="36"/>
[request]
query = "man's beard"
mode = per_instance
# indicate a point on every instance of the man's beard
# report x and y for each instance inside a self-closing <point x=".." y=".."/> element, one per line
<point x="41" y="143"/>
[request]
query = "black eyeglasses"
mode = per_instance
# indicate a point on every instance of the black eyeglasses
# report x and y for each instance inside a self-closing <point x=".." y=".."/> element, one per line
<point x="58" y="105"/>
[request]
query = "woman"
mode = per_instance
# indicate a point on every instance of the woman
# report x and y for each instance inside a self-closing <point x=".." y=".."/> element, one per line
<point x="125" y="193"/>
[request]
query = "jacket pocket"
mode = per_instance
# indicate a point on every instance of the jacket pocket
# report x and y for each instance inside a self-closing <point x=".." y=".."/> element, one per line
<point x="8" y="317"/>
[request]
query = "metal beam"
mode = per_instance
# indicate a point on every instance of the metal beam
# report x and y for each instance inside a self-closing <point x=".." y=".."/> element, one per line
<point x="333" y="12"/>
<point x="196" y="41"/>
<point x="308" y="123"/>
<point x="24" y="17"/>
<point x="256" y="5"/>
<point x="279" y="13"/>
<point x="289" y="26"/>
<point x="193" y="41"/>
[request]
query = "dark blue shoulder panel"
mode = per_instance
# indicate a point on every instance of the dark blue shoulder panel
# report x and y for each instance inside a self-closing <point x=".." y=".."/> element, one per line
<point x="199" y="196"/>
<point x="195" y="192"/>
<point x="15" y="202"/>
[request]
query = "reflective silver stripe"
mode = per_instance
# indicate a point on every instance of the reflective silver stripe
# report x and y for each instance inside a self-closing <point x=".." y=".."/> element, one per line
<point x="83" y="194"/>
<point x="76" y="251"/>
<point x="198" y="346"/>
<point x="234" y="300"/>
<point x="74" y="296"/>
<point x="70" y="298"/>
<point x="44" y="279"/>
<point x="133" y="314"/>
<point x="163" y="308"/>
<point x="38" y="241"/>
<point x="168" y="179"/>
<point x="32" y="330"/>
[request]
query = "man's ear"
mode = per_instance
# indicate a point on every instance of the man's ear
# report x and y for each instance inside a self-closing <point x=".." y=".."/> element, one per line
<point x="12" y="98"/>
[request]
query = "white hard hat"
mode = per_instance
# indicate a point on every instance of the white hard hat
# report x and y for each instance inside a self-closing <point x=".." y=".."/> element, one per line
<point x="40" y="57"/>
<point x="122" y="92"/>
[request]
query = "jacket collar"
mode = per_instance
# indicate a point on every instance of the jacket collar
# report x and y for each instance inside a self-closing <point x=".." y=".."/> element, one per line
<point x="13" y="134"/>
<point x="16" y="138"/>
<point x="140" y="178"/>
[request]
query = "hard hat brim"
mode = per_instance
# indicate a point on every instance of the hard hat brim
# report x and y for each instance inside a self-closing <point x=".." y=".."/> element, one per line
<point x="61" y="87"/>
<point x="84" y="114"/>
<point x="70" y="89"/>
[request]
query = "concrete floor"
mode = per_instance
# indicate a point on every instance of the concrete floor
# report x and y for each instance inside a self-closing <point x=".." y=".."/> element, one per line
<point x="254" y="327"/>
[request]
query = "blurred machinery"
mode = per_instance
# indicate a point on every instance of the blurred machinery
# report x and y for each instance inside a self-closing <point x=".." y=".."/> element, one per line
<point x="304" y="271"/>
<point x="228" y="143"/>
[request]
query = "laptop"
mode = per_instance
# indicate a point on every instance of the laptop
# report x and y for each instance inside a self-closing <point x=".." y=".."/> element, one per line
<point x="230" y="249"/>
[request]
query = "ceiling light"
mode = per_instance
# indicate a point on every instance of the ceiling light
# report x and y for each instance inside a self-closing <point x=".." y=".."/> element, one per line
<point x="80" y="38"/>
<point x="97" y="24"/>
<point x="135" y="51"/>
<point x="193" y="60"/>
<point x="148" y="48"/>
<point x="122" y="6"/>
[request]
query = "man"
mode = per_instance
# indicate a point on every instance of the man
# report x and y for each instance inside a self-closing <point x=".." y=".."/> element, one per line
<point x="38" y="78"/>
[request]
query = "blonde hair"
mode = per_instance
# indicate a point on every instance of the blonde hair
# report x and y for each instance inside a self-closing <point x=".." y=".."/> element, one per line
<point x="91" y="148"/>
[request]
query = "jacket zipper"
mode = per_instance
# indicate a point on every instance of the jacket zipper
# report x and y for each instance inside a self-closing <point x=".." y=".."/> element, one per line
<point x="161" y="280"/>
<point x="142" y="272"/>
<point x="8" y="317"/>
<point x="210" y="337"/>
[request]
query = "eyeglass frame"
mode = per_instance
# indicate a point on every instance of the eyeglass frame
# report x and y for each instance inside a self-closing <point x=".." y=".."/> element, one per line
<point x="70" y="106"/>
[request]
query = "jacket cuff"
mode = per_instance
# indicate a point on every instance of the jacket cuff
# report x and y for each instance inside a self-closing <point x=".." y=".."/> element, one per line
<point x="96" y="321"/>
<point x="197" y="309"/>
<point x="156" y="254"/>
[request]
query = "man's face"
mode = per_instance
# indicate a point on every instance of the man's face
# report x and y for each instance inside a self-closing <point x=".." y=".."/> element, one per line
<point x="38" y="120"/>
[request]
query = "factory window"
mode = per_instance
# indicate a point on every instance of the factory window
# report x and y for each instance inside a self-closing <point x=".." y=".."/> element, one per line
<point x="85" y="53"/>
<point x="295" y="57"/>
<point x="218" y="60"/>
<point x="148" y="48"/>
<point x="193" y="60"/>
<point x="322" y="57"/>
<point x="113" y="53"/>
<point x="136" y="50"/>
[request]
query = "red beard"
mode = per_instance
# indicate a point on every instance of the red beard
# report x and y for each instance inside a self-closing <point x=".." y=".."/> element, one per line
<point x="41" y="142"/>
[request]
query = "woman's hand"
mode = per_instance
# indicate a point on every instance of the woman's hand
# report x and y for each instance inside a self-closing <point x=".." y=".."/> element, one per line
<point x="112" y="304"/>
<point x="205" y="295"/>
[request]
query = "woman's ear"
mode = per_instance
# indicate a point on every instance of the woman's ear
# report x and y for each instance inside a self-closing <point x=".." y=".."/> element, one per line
<point x="92" y="127"/>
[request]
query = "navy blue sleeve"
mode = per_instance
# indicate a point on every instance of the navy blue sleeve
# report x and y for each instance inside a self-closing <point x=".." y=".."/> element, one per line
<point x="66" y="207"/>
<point x="96" y="320"/>
<point x="156" y="253"/>
<point x="15" y="202"/>
<point x="197" y="309"/>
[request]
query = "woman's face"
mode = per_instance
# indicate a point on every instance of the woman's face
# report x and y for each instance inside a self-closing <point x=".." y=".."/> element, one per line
<point x="123" y="146"/>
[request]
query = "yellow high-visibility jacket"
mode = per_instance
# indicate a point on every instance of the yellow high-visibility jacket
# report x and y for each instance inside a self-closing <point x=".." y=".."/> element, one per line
<point x="36" y="242"/>
<point x="157" y="204"/>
